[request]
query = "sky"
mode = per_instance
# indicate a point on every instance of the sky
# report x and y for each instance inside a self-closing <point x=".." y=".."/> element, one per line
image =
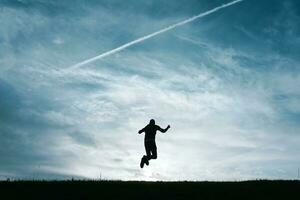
<point x="227" y="84"/>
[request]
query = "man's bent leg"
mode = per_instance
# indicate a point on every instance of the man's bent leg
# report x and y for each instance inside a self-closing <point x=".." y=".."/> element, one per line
<point x="147" y="157"/>
<point x="153" y="151"/>
<point x="151" y="146"/>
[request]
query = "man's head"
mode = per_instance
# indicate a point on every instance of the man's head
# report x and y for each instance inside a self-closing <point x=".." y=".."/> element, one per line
<point x="152" y="122"/>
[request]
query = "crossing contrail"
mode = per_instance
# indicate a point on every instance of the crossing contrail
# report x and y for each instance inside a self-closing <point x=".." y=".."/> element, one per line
<point x="124" y="46"/>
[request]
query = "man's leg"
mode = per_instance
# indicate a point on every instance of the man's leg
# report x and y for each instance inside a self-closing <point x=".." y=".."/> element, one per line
<point x="152" y="154"/>
<point x="145" y="159"/>
<point x="153" y="151"/>
<point x="148" y="152"/>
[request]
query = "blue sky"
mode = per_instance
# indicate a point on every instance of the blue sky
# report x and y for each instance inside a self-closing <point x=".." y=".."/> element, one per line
<point x="228" y="84"/>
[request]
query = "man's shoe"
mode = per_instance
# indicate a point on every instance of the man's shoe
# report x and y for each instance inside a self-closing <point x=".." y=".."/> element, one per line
<point x="142" y="162"/>
<point x="146" y="160"/>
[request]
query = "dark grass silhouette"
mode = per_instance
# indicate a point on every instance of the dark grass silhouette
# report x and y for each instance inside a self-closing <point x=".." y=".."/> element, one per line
<point x="149" y="190"/>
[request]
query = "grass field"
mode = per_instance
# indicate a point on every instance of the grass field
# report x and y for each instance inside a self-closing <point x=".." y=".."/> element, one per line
<point x="149" y="190"/>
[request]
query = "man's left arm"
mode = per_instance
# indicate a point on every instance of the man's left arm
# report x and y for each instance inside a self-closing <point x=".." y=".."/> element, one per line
<point x="163" y="130"/>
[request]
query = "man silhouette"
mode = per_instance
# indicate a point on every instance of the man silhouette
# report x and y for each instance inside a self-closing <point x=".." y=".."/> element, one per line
<point x="149" y="141"/>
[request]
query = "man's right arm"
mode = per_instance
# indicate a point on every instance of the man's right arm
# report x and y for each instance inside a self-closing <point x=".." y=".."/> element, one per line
<point x="142" y="130"/>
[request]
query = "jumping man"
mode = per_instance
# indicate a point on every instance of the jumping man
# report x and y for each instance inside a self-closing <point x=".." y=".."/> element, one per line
<point x="149" y="142"/>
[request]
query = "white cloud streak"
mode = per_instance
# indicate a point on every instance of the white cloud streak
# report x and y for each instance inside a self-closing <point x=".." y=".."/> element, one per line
<point x="141" y="39"/>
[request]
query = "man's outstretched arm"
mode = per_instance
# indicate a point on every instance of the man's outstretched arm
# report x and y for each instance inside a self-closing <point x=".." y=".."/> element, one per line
<point x="142" y="130"/>
<point x="163" y="130"/>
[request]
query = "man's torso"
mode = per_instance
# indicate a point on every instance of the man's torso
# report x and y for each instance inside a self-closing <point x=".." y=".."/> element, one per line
<point x="150" y="132"/>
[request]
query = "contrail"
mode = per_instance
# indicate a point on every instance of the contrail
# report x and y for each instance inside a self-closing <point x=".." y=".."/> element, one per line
<point x="124" y="46"/>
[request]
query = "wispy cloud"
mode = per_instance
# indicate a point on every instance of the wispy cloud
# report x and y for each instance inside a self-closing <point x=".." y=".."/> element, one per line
<point x="141" y="39"/>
